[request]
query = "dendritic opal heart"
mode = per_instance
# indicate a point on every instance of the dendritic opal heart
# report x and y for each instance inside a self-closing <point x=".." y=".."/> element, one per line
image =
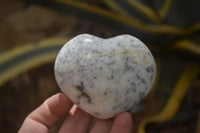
<point x="105" y="77"/>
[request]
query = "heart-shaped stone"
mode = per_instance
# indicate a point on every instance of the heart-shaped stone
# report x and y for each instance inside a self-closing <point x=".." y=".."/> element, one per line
<point x="105" y="77"/>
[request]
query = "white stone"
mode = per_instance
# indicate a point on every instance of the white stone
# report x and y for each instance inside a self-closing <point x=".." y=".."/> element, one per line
<point x="105" y="77"/>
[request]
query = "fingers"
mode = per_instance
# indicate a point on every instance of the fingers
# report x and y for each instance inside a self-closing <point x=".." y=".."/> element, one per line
<point x="55" y="107"/>
<point x="46" y="115"/>
<point x="122" y="123"/>
<point x="76" y="122"/>
<point x="102" y="126"/>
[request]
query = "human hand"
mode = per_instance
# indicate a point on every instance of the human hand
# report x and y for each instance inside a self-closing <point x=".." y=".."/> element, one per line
<point x="77" y="121"/>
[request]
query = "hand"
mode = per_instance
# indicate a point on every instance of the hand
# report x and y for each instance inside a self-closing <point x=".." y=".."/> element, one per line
<point x="77" y="121"/>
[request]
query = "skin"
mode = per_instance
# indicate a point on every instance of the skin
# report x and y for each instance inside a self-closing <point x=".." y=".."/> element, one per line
<point x="77" y="121"/>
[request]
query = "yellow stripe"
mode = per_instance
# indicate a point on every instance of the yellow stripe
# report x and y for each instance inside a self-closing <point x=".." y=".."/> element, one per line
<point x="164" y="9"/>
<point x="27" y="65"/>
<point x="115" y="7"/>
<point x="12" y="53"/>
<point x="157" y="29"/>
<point x="33" y="61"/>
<point x="6" y="55"/>
<point x="146" y="11"/>
<point x="173" y="104"/>
<point x="188" y="46"/>
<point x="193" y="27"/>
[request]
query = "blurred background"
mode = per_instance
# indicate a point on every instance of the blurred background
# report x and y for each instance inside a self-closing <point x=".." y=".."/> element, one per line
<point x="32" y="32"/>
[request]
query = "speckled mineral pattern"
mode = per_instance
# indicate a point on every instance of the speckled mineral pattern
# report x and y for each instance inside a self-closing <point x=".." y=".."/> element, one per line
<point x="105" y="77"/>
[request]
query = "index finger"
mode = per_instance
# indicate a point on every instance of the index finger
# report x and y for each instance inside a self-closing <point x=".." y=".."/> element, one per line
<point x="47" y="114"/>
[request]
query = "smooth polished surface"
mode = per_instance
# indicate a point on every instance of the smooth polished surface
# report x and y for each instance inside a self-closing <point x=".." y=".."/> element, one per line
<point x="105" y="77"/>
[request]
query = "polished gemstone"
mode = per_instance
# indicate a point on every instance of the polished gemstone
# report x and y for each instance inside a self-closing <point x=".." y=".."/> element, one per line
<point x="105" y="77"/>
